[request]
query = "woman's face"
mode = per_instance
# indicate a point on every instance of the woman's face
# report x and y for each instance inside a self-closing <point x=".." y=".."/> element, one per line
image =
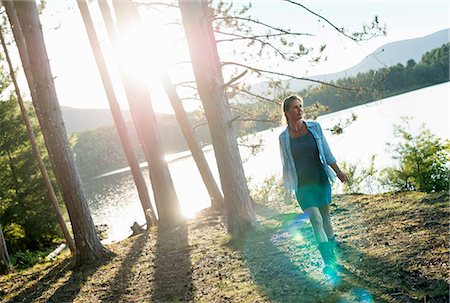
<point x="295" y="111"/>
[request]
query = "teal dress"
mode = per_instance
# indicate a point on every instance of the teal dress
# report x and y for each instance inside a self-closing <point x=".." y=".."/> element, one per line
<point x="313" y="189"/>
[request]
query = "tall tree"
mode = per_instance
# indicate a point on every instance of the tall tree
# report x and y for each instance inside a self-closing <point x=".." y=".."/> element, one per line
<point x="27" y="218"/>
<point x="144" y="118"/>
<point x="5" y="264"/>
<point x="197" y="153"/>
<point x="48" y="184"/>
<point x="196" y="17"/>
<point x="117" y="116"/>
<point x="88" y="245"/>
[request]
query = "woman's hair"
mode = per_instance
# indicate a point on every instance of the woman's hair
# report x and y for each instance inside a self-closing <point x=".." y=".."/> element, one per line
<point x="287" y="103"/>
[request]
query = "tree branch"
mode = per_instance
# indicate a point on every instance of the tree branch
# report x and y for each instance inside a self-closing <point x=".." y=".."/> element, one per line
<point x="235" y="79"/>
<point x="340" y="30"/>
<point x="254" y="21"/>
<point x="257" y="96"/>
<point x="242" y="37"/>
<point x="258" y="70"/>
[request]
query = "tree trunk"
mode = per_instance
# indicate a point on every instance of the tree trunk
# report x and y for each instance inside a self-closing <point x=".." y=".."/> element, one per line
<point x="208" y="74"/>
<point x="117" y="116"/>
<point x="5" y="264"/>
<point x="88" y="245"/>
<point x="144" y="120"/>
<point x="34" y="145"/>
<point x="197" y="153"/>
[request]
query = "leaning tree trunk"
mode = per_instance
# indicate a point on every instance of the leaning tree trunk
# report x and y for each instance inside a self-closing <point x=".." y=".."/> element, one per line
<point x="117" y="116"/>
<point x="144" y="119"/>
<point x="88" y="245"/>
<point x="34" y="145"/>
<point x="197" y="153"/>
<point x="196" y="17"/>
<point x="5" y="264"/>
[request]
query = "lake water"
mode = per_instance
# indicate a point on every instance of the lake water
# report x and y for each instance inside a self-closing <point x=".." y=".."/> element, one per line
<point x="113" y="198"/>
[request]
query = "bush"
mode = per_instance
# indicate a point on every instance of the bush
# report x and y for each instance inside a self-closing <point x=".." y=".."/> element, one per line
<point x="422" y="159"/>
<point x="25" y="259"/>
<point x="352" y="186"/>
<point x="356" y="175"/>
<point x="270" y="190"/>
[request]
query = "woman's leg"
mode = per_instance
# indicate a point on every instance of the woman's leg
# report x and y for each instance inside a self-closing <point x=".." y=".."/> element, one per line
<point x="316" y="219"/>
<point x="327" y="225"/>
<point x="324" y="246"/>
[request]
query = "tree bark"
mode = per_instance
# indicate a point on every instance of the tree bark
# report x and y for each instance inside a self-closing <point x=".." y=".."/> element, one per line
<point x="197" y="153"/>
<point x="5" y="264"/>
<point x="34" y="145"/>
<point x="117" y="116"/>
<point x="144" y="119"/>
<point x="208" y="74"/>
<point x="88" y="245"/>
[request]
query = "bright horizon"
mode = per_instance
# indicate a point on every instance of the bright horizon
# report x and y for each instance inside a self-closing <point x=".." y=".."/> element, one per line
<point x="78" y="83"/>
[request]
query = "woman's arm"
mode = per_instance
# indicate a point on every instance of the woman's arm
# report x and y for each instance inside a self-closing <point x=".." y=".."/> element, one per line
<point x="343" y="177"/>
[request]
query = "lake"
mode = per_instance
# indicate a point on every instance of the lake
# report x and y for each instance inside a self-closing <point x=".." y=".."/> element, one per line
<point x="113" y="198"/>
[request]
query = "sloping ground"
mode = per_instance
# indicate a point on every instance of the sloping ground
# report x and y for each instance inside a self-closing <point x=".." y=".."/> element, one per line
<point x="394" y="248"/>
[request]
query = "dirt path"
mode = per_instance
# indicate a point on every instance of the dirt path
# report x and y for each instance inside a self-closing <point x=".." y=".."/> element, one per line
<point x="394" y="248"/>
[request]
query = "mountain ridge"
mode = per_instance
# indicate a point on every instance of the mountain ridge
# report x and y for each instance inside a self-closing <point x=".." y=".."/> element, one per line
<point x="386" y="55"/>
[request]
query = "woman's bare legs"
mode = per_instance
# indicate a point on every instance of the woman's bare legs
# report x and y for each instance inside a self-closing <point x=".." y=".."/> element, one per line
<point x="327" y="225"/>
<point x="317" y="223"/>
<point x="320" y="221"/>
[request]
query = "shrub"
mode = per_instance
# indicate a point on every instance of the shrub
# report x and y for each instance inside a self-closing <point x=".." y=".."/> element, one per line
<point x="352" y="186"/>
<point x="269" y="191"/>
<point x="27" y="258"/>
<point x="422" y="160"/>
<point x="356" y="175"/>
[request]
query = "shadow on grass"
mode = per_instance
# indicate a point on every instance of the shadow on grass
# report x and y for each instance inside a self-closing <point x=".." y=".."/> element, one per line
<point x="68" y="290"/>
<point x="173" y="269"/>
<point x="286" y="264"/>
<point x="30" y="294"/>
<point x="389" y="280"/>
<point x="72" y="286"/>
<point x="275" y="269"/>
<point x="122" y="278"/>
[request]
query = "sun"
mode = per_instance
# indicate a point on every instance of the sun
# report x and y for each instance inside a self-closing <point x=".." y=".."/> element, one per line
<point x="148" y="51"/>
<point x="141" y="55"/>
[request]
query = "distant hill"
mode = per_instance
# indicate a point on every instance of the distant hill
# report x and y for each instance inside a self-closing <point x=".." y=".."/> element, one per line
<point x="385" y="56"/>
<point x="81" y="119"/>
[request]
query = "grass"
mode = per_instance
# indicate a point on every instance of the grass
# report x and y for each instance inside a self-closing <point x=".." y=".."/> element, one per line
<point x="394" y="248"/>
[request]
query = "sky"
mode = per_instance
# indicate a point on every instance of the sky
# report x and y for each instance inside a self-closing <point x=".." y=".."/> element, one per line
<point x="78" y="83"/>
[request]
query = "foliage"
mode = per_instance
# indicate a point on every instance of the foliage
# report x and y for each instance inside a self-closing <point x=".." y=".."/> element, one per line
<point x="27" y="258"/>
<point x="96" y="149"/>
<point x="423" y="161"/>
<point x="270" y="190"/>
<point x="352" y="186"/>
<point x="370" y="174"/>
<point x="338" y="128"/>
<point x="27" y="218"/>
<point x="374" y="85"/>
<point x="99" y="150"/>
<point x="356" y="175"/>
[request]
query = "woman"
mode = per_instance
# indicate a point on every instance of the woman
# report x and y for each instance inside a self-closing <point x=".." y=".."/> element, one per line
<point x="307" y="159"/>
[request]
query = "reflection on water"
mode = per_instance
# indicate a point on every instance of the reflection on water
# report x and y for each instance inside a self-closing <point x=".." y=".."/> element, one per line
<point x="113" y="198"/>
<point x="114" y="201"/>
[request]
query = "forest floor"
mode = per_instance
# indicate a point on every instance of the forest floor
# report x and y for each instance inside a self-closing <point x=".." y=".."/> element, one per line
<point x="394" y="248"/>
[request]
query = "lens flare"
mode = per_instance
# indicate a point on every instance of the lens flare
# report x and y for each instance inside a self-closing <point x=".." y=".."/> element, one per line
<point x="363" y="295"/>
<point x="359" y="295"/>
